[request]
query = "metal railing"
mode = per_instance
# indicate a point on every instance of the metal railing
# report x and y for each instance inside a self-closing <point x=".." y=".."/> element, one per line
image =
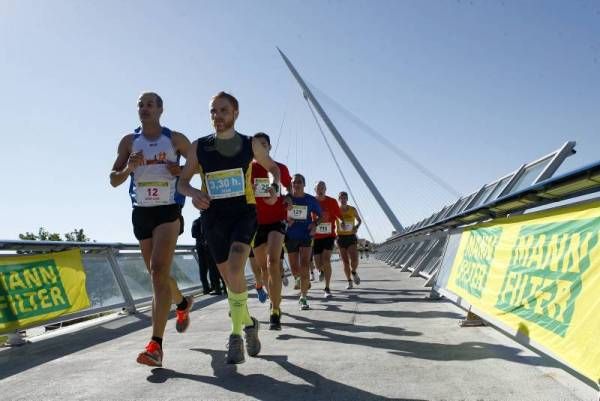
<point x="116" y="275"/>
<point x="420" y="248"/>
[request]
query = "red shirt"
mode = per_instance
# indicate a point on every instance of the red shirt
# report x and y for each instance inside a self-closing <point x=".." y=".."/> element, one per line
<point x="330" y="212"/>
<point x="269" y="214"/>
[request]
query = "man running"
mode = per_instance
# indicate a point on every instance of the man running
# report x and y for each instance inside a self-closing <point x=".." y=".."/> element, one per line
<point x="347" y="239"/>
<point x="224" y="161"/>
<point x="303" y="219"/>
<point x="272" y="225"/>
<point x="150" y="156"/>
<point x="260" y="274"/>
<point x="325" y="233"/>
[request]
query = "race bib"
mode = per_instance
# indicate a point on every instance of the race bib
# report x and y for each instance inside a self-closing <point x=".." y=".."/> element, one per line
<point x="225" y="183"/>
<point x="261" y="187"/>
<point x="298" y="212"/>
<point x="153" y="193"/>
<point x="347" y="226"/>
<point x="324" y="228"/>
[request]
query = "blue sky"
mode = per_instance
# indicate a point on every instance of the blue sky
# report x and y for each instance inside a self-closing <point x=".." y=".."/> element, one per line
<point x="471" y="89"/>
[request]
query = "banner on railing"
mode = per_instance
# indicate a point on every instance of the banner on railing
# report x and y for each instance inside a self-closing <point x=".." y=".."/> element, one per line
<point x="540" y="275"/>
<point x="37" y="288"/>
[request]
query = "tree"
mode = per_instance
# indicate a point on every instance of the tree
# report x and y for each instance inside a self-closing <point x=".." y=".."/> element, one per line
<point x="77" y="236"/>
<point x="42" y="235"/>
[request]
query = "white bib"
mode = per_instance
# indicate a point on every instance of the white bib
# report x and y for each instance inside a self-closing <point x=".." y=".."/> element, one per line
<point x="153" y="193"/>
<point x="261" y="187"/>
<point x="347" y="226"/>
<point x="324" y="228"/>
<point x="298" y="212"/>
<point x="225" y="183"/>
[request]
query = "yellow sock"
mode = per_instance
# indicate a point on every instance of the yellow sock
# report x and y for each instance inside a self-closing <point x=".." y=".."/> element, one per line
<point x="238" y="306"/>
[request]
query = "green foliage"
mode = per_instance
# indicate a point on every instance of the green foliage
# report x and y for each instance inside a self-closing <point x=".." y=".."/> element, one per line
<point x="77" y="235"/>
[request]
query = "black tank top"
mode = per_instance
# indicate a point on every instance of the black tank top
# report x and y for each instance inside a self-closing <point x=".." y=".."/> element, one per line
<point x="226" y="179"/>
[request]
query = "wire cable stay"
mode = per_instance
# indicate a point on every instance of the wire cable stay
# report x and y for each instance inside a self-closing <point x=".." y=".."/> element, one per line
<point x="386" y="142"/>
<point x="339" y="168"/>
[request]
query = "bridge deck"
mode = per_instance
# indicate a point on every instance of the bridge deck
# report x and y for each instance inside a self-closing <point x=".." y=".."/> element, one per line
<point x="381" y="340"/>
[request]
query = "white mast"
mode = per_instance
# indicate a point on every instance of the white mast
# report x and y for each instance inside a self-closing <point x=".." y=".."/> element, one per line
<point x="361" y="171"/>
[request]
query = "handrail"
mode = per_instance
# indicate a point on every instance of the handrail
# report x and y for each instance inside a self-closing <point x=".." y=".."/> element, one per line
<point x="561" y="187"/>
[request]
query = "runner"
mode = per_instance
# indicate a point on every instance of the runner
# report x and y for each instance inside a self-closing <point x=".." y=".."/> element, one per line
<point x="258" y="272"/>
<point x="325" y="234"/>
<point x="224" y="161"/>
<point x="150" y="156"/>
<point x="347" y="239"/>
<point x="303" y="219"/>
<point x="272" y="225"/>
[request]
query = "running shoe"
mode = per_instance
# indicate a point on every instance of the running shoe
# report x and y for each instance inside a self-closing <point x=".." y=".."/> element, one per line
<point x="183" y="316"/>
<point x="152" y="355"/>
<point x="356" y="278"/>
<point x="321" y="276"/>
<point x="297" y="283"/>
<point x="349" y="286"/>
<point x="275" y="321"/>
<point x="235" y="349"/>
<point x="251" y="335"/>
<point x="262" y="295"/>
<point x="326" y="293"/>
<point x="303" y="303"/>
<point x="284" y="280"/>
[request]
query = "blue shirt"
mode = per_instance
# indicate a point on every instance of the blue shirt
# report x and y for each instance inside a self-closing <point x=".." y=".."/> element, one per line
<point x="299" y="230"/>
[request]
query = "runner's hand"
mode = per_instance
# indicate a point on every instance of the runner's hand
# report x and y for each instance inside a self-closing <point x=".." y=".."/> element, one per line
<point x="313" y="229"/>
<point x="135" y="160"/>
<point x="272" y="199"/>
<point x="200" y="200"/>
<point x="174" y="168"/>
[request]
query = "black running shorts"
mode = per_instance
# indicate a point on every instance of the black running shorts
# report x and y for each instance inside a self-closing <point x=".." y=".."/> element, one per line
<point x="146" y="219"/>
<point x="322" y="244"/>
<point x="345" y="241"/>
<point x="293" y="245"/>
<point x="262" y="234"/>
<point x="223" y="227"/>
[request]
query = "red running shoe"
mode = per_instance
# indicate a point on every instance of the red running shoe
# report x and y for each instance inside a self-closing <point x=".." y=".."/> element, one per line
<point x="183" y="316"/>
<point x="152" y="355"/>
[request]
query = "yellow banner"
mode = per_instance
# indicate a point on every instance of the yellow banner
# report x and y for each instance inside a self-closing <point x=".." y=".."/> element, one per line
<point x="540" y="275"/>
<point x="37" y="288"/>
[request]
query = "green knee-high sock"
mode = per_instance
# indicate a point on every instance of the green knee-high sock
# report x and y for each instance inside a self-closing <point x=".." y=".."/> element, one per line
<point x="239" y="311"/>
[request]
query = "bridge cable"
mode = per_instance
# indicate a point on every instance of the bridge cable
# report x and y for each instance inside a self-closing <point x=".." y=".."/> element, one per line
<point x="339" y="169"/>
<point x="403" y="155"/>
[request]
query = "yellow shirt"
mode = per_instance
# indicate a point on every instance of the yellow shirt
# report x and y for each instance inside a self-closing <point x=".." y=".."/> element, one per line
<point x="346" y="225"/>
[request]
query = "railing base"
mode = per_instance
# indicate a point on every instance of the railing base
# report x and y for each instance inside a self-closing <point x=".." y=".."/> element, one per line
<point x="472" y="320"/>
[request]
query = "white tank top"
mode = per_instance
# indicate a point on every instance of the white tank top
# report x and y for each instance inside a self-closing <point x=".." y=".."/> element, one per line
<point x="151" y="183"/>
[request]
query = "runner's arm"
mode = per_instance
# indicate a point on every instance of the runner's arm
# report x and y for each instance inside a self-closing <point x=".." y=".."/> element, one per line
<point x="200" y="199"/>
<point x="358" y="219"/>
<point x="182" y="145"/>
<point x="125" y="162"/>
<point x="262" y="157"/>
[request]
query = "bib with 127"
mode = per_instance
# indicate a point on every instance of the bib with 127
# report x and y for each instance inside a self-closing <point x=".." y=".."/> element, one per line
<point x="152" y="193"/>
<point x="298" y="212"/>
<point x="225" y="183"/>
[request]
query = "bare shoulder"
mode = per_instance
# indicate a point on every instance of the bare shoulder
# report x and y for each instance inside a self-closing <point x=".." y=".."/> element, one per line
<point x="126" y="142"/>
<point x="178" y="135"/>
